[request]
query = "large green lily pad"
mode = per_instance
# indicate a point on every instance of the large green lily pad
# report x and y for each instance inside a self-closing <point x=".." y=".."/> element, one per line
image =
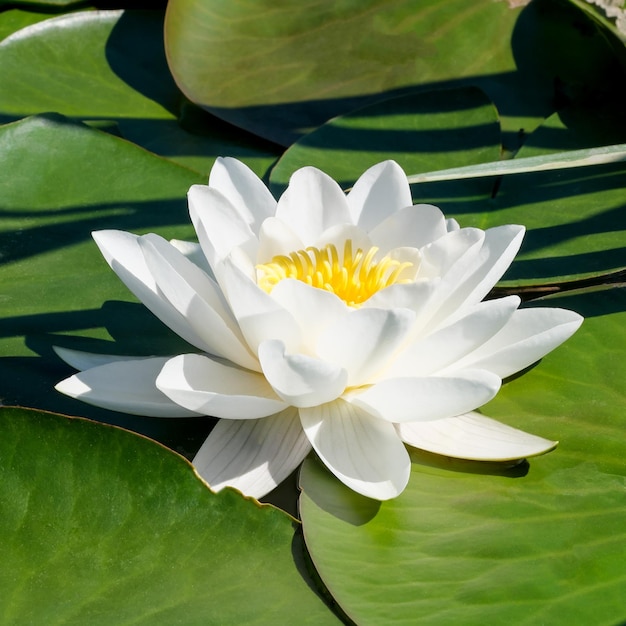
<point x="100" y="527"/>
<point x="283" y="70"/>
<point x="471" y="543"/>
<point x="109" y="67"/>
<point x="64" y="180"/>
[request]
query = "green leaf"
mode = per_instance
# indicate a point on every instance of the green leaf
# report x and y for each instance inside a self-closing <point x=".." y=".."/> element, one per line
<point x="424" y="131"/>
<point x="575" y="219"/>
<point x="62" y="181"/>
<point x="282" y="70"/>
<point x="470" y="543"/>
<point x="88" y="66"/>
<point x="100" y="527"/>
<point x="12" y="20"/>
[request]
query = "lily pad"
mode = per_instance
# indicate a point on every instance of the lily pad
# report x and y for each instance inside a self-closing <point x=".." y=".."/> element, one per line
<point x="476" y="543"/>
<point x="422" y="132"/>
<point x="103" y="527"/>
<point x="575" y="219"/>
<point x="282" y="71"/>
<point x="89" y="66"/>
<point x="63" y="181"/>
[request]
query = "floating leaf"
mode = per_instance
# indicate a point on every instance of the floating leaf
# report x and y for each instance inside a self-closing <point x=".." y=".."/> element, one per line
<point x="64" y="181"/>
<point x="100" y="526"/>
<point x="280" y="71"/>
<point x="470" y="543"/>
<point x="88" y="66"/>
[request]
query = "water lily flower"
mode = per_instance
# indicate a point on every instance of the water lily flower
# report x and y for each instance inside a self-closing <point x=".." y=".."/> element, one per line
<point x="351" y="324"/>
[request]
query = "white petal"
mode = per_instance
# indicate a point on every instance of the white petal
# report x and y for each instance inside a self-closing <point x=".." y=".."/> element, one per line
<point x="198" y="298"/>
<point x="300" y="380"/>
<point x="379" y="192"/>
<point x="338" y="234"/>
<point x="123" y="253"/>
<point x="365" y="453"/>
<point x="259" y="316"/>
<point x="253" y="456"/>
<point x="453" y="254"/>
<point x="499" y="248"/>
<point x="244" y="189"/>
<point x="446" y="346"/>
<point x="312" y="203"/>
<point x="276" y="238"/>
<point x="474" y="437"/>
<point x="126" y="386"/>
<point x="529" y="335"/>
<point x="411" y="296"/>
<point x="86" y="360"/>
<point x="452" y="224"/>
<point x="193" y="251"/>
<point x="218" y="224"/>
<point x="428" y="398"/>
<point x="211" y="388"/>
<point x="412" y="226"/>
<point x="313" y="309"/>
<point x="363" y="341"/>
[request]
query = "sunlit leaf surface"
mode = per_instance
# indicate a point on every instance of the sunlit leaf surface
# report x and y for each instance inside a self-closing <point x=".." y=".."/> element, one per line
<point x="480" y="544"/>
<point x="100" y="527"/>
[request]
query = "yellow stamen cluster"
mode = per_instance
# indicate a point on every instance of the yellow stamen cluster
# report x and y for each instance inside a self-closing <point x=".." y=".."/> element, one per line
<point x="354" y="277"/>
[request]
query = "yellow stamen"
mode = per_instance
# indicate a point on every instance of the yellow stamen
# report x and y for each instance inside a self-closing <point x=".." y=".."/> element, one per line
<point x="354" y="277"/>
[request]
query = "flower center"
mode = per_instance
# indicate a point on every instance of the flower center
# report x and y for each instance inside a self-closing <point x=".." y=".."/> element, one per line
<point x="354" y="276"/>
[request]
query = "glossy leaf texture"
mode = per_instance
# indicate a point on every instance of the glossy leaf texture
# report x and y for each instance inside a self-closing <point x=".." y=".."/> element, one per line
<point x="100" y="526"/>
<point x="108" y="68"/>
<point x="470" y="543"/>
<point x="67" y="180"/>
<point x="283" y="70"/>
<point x="575" y="219"/>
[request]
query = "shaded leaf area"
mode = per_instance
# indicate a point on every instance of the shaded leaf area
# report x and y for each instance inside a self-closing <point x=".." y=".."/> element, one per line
<point x="101" y="526"/>
<point x="66" y="181"/>
<point x="471" y="543"/>
<point x="109" y="68"/>
<point x="281" y="71"/>
<point x="576" y="219"/>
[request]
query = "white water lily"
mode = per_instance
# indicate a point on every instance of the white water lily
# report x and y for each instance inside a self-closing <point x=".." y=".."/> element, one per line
<point x="351" y="324"/>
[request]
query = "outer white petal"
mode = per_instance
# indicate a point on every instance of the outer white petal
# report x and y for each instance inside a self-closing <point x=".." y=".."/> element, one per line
<point x="529" y="335"/>
<point x="259" y="316"/>
<point x="244" y="189"/>
<point x="312" y="203"/>
<point x="300" y="380"/>
<point x="474" y="437"/>
<point x="365" y="453"/>
<point x="446" y="346"/>
<point x="218" y="224"/>
<point x="313" y="309"/>
<point x="198" y="298"/>
<point x="379" y="192"/>
<point x="363" y="341"/>
<point x="123" y="253"/>
<point x="429" y="398"/>
<point x="500" y="246"/>
<point x="412" y="226"/>
<point x="126" y="386"/>
<point x="193" y="251"/>
<point x="86" y="360"/>
<point x="205" y="386"/>
<point x="253" y="456"/>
